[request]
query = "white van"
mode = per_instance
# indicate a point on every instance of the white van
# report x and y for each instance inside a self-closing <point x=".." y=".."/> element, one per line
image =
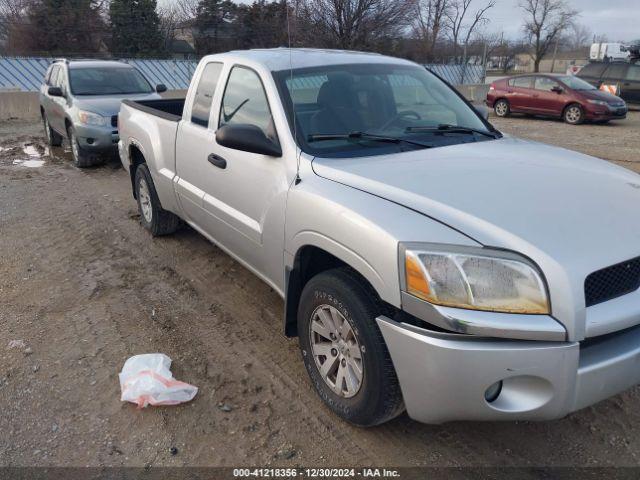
<point x="608" y="51"/>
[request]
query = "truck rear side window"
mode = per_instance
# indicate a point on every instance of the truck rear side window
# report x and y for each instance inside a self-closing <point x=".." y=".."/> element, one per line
<point x="204" y="94"/>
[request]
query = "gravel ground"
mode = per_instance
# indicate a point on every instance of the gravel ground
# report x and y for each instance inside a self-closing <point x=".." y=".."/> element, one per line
<point x="83" y="287"/>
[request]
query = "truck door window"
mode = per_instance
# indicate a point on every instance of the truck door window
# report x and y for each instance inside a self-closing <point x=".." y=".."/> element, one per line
<point x="204" y="94"/>
<point x="245" y="101"/>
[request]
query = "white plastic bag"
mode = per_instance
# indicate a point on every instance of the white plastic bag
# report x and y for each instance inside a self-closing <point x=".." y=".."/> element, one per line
<point x="147" y="380"/>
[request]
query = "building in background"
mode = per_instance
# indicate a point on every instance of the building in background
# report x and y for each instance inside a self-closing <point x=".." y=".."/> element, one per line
<point x="553" y="64"/>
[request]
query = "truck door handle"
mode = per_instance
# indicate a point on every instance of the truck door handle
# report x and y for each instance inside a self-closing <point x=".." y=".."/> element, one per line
<point x="217" y="161"/>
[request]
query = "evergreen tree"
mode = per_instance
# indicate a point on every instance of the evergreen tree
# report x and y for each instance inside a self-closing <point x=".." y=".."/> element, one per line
<point x="63" y="27"/>
<point x="135" y="28"/>
<point x="217" y="26"/>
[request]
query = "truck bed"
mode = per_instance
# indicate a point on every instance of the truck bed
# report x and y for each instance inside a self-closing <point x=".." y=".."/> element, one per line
<point x="167" y="108"/>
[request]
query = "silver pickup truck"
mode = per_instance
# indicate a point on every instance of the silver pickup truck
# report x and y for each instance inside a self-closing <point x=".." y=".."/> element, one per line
<point x="427" y="262"/>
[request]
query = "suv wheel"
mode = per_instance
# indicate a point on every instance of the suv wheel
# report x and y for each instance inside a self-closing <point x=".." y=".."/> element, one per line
<point x="153" y="217"/>
<point x="343" y="349"/>
<point x="502" y="108"/>
<point x="573" y="114"/>
<point x="81" y="158"/>
<point x="53" y="138"/>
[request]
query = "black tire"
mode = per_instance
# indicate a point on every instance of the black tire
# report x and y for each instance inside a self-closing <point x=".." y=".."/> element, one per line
<point x="502" y="108"/>
<point x="53" y="138"/>
<point x="152" y="216"/>
<point x="573" y="114"/>
<point x="379" y="398"/>
<point x="82" y="158"/>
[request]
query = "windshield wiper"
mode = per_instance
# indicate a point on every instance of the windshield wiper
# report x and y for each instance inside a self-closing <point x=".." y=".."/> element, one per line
<point x="445" y="127"/>
<point x="318" y="137"/>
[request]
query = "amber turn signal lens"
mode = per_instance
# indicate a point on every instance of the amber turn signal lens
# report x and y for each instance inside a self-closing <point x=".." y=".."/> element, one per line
<point x="417" y="284"/>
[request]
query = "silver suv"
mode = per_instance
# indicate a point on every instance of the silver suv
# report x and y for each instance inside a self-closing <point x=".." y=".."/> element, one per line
<point x="80" y="99"/>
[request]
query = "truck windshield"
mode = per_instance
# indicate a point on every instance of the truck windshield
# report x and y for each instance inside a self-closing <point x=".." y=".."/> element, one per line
<point x="358" y="109"/>
<point x="107" y="81"/>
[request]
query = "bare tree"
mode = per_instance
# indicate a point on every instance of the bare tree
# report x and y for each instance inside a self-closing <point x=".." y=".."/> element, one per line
<point x="578" y="36"/>
<point x="428" y="23"/>
<point x="353" y="24"/>
<point x="170" y="18"/>
<point x="459" y="28"/>
<point x="545" y="21"/>
<point x="13" y="24"/>
<point x="186" y="9"/>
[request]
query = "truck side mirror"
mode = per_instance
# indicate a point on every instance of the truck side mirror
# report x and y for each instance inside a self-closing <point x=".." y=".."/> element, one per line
<point x="161" y="87"/>
<point x="55" y="92"/>
<point x="248" y="138"/>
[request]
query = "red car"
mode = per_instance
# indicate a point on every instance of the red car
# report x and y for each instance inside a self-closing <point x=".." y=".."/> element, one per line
<point x="562" y="96"/>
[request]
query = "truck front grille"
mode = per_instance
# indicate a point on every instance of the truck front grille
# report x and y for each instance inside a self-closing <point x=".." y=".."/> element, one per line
<point x="612" y="282"/>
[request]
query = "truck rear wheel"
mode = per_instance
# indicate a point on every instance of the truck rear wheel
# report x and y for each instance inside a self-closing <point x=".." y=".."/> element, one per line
<point x="343" y="349"/>
<point x="153" y="217"/>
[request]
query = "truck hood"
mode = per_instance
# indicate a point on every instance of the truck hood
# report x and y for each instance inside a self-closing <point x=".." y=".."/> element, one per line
<point x="571" y="213"/>
<point x="108" y="105"/>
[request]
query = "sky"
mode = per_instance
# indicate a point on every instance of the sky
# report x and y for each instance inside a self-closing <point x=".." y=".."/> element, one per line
<point x="617" y="19"/>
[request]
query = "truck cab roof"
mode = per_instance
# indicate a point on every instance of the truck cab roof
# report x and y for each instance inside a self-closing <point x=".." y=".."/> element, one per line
<point x="277" y="59"/>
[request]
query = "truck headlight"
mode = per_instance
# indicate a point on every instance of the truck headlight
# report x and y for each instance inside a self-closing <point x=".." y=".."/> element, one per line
<point x="473" y="278"/>
<point x="90" y="118"/>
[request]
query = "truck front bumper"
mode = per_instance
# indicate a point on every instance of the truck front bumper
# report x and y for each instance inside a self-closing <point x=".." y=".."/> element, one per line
<point x="446" y="377"/>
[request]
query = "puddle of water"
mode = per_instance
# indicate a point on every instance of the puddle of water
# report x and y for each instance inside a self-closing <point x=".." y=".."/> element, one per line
<point x="32" y="151"/>
<point x="29" y="163"/>
<point x="35" y="154"/>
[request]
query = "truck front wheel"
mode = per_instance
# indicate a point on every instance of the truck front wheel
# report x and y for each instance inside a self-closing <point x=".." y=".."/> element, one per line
<point x="343" y="349"/>
<point x="152" y="216"/>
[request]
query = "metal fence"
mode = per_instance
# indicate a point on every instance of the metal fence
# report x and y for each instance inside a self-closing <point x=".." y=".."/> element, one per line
<point x="26" y="73"/>
<point x="459" y="74"/>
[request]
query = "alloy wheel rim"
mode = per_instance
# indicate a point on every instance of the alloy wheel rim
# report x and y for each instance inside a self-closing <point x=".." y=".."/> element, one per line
<point x="336" y="351"/>
<point x="573" y="114"/>
<point x="501" y="108"/>
<point x="145" y="200"/>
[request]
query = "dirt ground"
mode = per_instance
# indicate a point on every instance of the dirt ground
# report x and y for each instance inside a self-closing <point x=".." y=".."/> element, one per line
<point x="83" y="287"/>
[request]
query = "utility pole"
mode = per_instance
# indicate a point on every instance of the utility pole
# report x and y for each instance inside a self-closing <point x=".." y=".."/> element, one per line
<point x="484" y="62"/>
<point x="555" y="52"/>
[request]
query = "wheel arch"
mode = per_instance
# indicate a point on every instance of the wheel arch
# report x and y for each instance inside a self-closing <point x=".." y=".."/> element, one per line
<point x="136" y="158"/>
<point x="570" y="104"/>
<point x="308" y="261"/>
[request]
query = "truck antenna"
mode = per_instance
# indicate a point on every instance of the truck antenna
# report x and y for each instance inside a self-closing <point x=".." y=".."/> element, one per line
<point x="293" y="107"/>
